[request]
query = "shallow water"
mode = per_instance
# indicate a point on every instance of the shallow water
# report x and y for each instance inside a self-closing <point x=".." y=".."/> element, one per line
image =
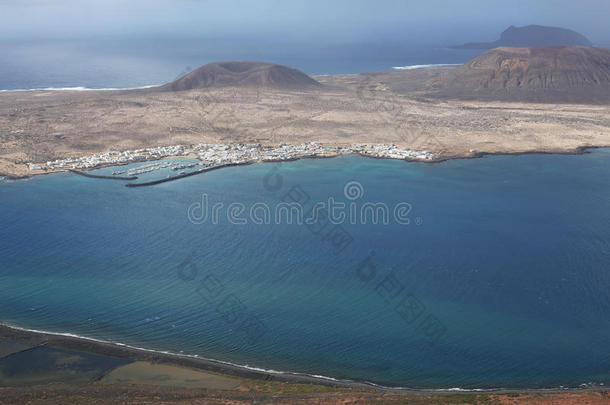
<point x="500" y="279"/>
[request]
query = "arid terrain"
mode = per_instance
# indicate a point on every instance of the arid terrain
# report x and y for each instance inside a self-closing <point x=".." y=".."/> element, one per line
<point x="560" y="74"/>
<point x="100" y="394"/>
<point x="411" y="108"/>
<point x="390" y="107"/>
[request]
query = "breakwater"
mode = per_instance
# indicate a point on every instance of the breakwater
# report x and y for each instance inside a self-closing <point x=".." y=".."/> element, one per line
<point x="95" y="176"/>
<point x="181" y="176"/>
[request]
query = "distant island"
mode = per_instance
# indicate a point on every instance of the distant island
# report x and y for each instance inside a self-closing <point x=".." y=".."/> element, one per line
<point x="532" y="35"/>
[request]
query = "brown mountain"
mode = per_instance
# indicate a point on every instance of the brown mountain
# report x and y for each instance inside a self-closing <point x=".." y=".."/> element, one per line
<point x="554" y="74"/>
<point x="533" y="35"/>
<point x="242" y="74"/>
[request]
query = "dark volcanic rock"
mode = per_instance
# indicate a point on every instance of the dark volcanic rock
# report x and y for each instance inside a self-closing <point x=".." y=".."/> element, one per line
<point x="537" y="68"/>
<point x="533" y="35"/>
<point x="549" y="74"/>
<point x="243" y="74"/>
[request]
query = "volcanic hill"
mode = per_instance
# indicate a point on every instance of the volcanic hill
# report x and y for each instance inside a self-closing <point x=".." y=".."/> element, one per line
<point x="242" y="74"/>
<point x="546" y="74"/>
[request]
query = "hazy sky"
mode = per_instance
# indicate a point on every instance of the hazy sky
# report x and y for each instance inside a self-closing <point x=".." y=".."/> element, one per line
<point x="325" y="20"/>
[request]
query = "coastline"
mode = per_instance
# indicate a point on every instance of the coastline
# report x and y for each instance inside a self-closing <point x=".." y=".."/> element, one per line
<point x="70" y="341"/>
<point x="451" y="129"/>
<point x="81" y="343"/>
<point x="213" y="156"/>
<point x="93" y="176"/>
<point x="388" y="107"/>
<point x="580" y="150"/>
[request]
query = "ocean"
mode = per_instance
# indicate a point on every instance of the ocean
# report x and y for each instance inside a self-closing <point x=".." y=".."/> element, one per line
<point x="135" y="62"/>
<point x="488" y="272"/>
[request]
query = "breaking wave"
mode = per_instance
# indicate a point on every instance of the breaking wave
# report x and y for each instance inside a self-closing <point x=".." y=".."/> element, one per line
<point x="413" y="67"/>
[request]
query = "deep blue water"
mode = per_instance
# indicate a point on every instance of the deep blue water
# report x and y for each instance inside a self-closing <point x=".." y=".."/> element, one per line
<point x="134" y="62"/>
<point x="509" y="254"/>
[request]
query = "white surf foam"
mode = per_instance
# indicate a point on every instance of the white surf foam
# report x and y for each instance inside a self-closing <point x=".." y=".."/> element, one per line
<point x="412" y="67"/>
<point x="243" y="366"/>
<point x="81" y="88"/>
<point x="271" y="371"/>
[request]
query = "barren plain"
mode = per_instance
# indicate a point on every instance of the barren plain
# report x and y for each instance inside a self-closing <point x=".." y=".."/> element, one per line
<point x="388" y="107"/>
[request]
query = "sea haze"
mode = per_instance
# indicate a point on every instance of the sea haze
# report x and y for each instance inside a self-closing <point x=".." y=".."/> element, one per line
<point x="125" y="63"/>
<point x="509" y="253"/>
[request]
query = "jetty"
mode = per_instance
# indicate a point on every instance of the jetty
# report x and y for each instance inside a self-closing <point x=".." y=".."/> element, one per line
<point x="95" y="176"/>
<point x="189" y="174"/>
<point x="216" y="156"/>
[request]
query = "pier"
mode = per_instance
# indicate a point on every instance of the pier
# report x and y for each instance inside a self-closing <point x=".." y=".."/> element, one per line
<point x="95" y="176"/>
<point x="216" y="156"/>
<point x="181" y="176"/>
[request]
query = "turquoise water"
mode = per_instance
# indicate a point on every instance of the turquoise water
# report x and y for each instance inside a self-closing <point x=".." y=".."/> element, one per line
<point x="500" y="279"/>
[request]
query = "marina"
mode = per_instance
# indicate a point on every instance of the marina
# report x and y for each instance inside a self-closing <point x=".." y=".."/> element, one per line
<point x="94" y="176"/>
<point x="118" y="253"/>
<point x="183" y="175"/>
<point x="214" y="156"/>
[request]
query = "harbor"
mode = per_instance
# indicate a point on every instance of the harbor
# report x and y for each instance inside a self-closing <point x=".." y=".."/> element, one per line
<point x="183" y="175"/>
<point x="214" y="156"/>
